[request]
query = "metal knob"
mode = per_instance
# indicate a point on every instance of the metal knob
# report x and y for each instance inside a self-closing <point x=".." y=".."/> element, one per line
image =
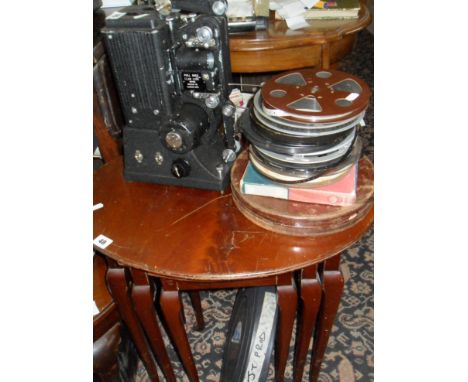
<point x="219" y="7"/>
<point x="212" y="101"/>
<point x="204" y="34"/>
<point x="174" y="140"/>
<point x="180" y="168"/>
<point x="138" y="156"/>
<point x="229" y="110"/>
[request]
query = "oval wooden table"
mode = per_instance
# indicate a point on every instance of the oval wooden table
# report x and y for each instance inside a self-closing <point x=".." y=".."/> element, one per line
<point x="278" y="48"/>
<point x="195" y="239"/>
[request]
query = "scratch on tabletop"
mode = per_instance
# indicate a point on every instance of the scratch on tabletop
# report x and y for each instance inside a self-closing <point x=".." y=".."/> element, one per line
<point x="120" y="246"/>
<point x="246" y="237"/>
<point x="262" y="240"/>
<point x="233" y="239"/>
<point x="198" y="209"/>
<point x="234" y="244"/>
<point x="229" y="251"/>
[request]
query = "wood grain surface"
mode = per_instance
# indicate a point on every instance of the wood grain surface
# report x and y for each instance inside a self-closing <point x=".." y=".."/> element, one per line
<point x="191" y="234"/>
<point x="280" y="48"/>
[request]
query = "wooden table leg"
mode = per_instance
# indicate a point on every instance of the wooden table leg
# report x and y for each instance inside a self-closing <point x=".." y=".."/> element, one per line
<point x="325" y="56"/>
<point x="287" y="303"/>
<point x="143" y="302"/>
<point x="309" y="303"/>
<point x="196" y="303"/>
<point x="332" y="288"/>
<point x="172" y="309"/>
<point x="118" y="285"/>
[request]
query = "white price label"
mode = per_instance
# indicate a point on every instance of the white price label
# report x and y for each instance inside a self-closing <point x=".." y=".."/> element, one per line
<point x="102" y="241"/>
<point x="98" y="206"/>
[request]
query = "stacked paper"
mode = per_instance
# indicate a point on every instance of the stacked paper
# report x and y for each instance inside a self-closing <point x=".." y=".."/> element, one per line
<point x="293" y="11"/>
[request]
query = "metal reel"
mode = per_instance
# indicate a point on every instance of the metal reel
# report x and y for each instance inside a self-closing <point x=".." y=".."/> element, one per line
<point x="315" y="95"/>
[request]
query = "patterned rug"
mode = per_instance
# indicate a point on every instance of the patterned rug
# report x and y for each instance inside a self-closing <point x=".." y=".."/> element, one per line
<point x="350" y="352"/>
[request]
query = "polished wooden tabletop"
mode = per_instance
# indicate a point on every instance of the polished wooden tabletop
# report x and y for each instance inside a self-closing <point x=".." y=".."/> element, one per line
<point x="191" y="234"/>
<point x="279" y="36"/>
<point x="280" y="48"/>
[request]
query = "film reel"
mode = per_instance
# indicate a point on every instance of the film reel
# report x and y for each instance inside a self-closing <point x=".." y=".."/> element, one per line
<point x="304" y="123"/>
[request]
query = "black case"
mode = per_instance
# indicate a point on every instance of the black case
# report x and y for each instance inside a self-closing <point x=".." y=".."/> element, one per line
<point x="243" y="326"/>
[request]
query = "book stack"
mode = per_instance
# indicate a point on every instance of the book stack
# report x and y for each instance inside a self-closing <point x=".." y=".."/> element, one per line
<point x="338" y="9"/>
<point x="313" y="10"/>
<point x="341" y="192"/>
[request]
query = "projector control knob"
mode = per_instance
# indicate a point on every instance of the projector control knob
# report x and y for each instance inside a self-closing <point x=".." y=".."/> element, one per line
<point x="204" y="34"/>
<point x="180" y="168"/>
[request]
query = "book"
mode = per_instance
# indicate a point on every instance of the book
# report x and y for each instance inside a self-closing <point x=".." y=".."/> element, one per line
<point x="338" y="9"/>
<point x="340" y="193"/>
<point x="115" y="3"/>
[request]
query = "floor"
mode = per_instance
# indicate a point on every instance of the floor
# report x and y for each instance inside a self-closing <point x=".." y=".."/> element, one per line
<point x="350" y="352"/>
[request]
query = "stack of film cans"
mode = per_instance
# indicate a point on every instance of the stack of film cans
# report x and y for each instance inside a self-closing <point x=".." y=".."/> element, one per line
<point x="303" y="126"/>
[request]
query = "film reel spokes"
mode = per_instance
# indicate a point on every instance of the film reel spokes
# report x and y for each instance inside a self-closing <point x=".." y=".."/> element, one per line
<point x="303" y="124"/>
